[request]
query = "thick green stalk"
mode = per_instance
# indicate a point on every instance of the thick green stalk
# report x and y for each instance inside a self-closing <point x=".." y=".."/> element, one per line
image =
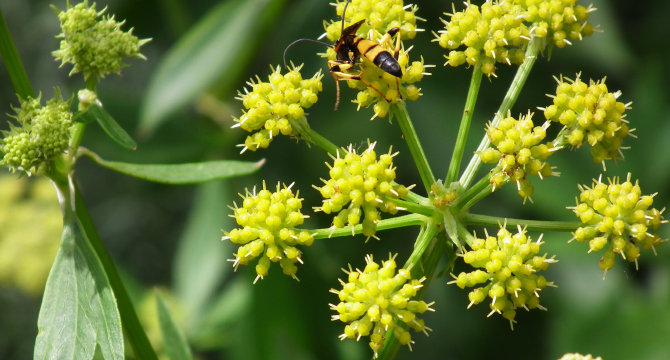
<point x="415" y="148"/>
<point x="12" y="60"/>
<point x="131" y="324"/>
<point x="78" y="133"/>
<point x="472" y="192"/>
<point x="532" y="50"/>
<point x="530" y="225"/>
<point x="462" y="138"/>
<point x="429" y="211"/>
<point x="392" y="223"/>
<point x="423" y="261"/>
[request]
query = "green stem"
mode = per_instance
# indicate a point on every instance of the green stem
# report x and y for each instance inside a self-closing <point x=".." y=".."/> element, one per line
<point x="532" y="50"/>
<point x="423" y="261"/>
<point x="386" y="224"/>
<point x="131" y="323"/>
<point x="530" y="225"/>
<point x="10" y="56"/>
<point x="462" y="138"/>
<point x="428" y="211"/>
<point x="415" y="148"/>
<point x="472" y="192"/>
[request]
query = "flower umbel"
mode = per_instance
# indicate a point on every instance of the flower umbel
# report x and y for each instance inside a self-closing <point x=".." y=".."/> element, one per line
<point x="511" y="263"/>
<point x="269" y="223"/>
<point x="94" y="46"/>
<point x="590" y="114"/>
<point x="272" y="106"/>
<point x="366" y="184"/>
<point x="619" y="217"/>
<point x="520" y="152"/>
<point x="372" y="299"/>
<point x="43" y="133"/>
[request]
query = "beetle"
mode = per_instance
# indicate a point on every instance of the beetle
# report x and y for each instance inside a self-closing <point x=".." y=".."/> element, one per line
<point x="349" y="49"/>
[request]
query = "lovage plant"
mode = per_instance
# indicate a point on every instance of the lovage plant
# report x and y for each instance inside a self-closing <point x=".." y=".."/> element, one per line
<point x="86" y="308"/>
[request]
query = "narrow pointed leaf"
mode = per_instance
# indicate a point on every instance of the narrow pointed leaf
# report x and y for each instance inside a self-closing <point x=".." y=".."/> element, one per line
<point x="176" y="346"/>
<point x="191" y="173"/>
<point x="79" y="308"/>
<point x="217" y="48"/>
<point x="111" y="127"/>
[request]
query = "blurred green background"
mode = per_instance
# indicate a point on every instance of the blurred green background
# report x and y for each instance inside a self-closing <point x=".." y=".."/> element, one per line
<point x="167" y="236"/>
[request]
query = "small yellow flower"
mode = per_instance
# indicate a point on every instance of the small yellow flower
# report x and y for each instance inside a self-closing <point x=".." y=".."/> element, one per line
<point x="373" y="299"/>
<point x="269" y="222"/>
<point x="617" y="216"/>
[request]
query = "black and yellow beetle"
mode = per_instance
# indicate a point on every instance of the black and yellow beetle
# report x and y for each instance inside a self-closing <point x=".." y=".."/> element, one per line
<point x="349" y="49"/>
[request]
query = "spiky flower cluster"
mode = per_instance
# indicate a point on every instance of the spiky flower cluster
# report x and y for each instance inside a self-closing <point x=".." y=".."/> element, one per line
<point x="366" y="184"/>
<point x="619" y="217"/>
<point x="590" y="114"/>
<point x="577" y="356"/>
<point x="94" y="46"/>
<point x="268" y="223"/>
<point x="387" y="89"/>
<point x="511" y="265"/>
<point x="31" y="223"/>
<point x="379" y="15"/>
<point x="520" y="152"/>
<point x="43" y="134"/>
<point x="272" y="106"/>
<point x="372" y="299"/>
<point x="498" y="30"/>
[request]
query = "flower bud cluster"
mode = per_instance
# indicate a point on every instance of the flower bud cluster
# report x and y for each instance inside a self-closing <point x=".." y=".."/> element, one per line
<point x="498" y="30"/>
<point x="577" y="356"/>
<point x="373" y="299"/>
<point x="619" y="218"/>
<point x="510" y="264"/>
<point x="379" y="15"/>
<point x="520" y="152"/>
<point x="95" y="46"/>
<point x="590" y="114"/>
<point x="269" y="222"/>
<point x="366" y="184"/>
<point x="443" y="196"/>
<point x="31" y="224"/>
<point x="43" y="134"/>
<point x="271" y="106"/>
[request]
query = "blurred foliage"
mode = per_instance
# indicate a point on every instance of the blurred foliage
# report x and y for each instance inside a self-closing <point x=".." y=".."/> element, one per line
<point x="158" y="233"/>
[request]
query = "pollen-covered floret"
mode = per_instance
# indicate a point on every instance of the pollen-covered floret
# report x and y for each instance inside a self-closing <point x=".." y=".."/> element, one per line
<point x="498" y="30"/>
<point x="379" y="15"/>
<point x="590" y="114"/>
<point x="519" y="153"/>
<point x="510" y="264"/>
<point x="269" y="222"/>
<point x="43" y="134"/>
<point x="272" y="106"/>
<point x="366" y="184"/>
<point x="95" y="46"/>
<point x="619" y="218"/>
<point x="372" y="300"/>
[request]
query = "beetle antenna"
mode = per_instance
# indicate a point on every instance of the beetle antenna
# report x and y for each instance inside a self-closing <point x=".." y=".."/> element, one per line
<point x="300" y="40"/>
<point x="344" y="12"/>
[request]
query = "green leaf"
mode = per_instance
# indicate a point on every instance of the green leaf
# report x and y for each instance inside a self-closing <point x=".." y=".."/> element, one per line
<point x="200" y="261"/>
<point x="217" y="48"/>
<point x="78" y="308"/>
<point x="176" y="346"/>
<point x="111" y="127"/>
<point x="12" y="60"/>
<point x="191" y="173"/>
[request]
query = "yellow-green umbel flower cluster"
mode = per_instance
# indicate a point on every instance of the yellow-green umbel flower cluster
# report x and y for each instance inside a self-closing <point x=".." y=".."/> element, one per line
<point x="371" y="300"/>
<point x="520" y="153"/>
<point x="272" y="106"/>
<point x="379" y="15"/>
<point x="269" y="222"/>
<point x="577" y="356"/>
<point x="44" y="134"/>
<point x="619" y="218"/>
<point x="590" y="114"/>
<point x="510" y="264"/>
<point x="366" y="184"/>
<point x="498" y="30"/>
<point x="95" y="46"/>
